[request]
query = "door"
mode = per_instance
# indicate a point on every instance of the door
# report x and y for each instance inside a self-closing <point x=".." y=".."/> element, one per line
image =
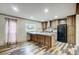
<point x="10" y="31"/>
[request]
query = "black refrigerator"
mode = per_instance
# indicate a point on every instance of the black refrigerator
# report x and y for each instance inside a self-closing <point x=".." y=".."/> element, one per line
<point x="62" y="33"/>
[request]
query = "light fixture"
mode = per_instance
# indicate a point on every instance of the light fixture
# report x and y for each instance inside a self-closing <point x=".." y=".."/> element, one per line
<point x="31" y="17"/>
<point x="15" y="8"/>
<point x="56" y="16"/>
<point x="46" y="10"/>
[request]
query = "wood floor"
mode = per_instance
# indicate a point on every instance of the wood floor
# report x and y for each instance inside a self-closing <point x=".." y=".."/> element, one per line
<point x="32" y="48"/>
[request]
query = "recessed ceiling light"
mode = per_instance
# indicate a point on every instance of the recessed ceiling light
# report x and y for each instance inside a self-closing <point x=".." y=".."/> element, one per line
<point x="31" y="17"/>
<point x="56" y="16"/>
<point x="46" y="10"/>
<point x="15" y="8"/>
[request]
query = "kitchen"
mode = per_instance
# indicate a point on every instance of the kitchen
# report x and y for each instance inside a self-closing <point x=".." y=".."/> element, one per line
<point x="54" y="34"/>
<point x="58" y="30"/>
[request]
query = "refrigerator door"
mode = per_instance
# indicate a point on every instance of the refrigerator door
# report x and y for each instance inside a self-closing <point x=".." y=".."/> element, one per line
<point x="62" y="33"/>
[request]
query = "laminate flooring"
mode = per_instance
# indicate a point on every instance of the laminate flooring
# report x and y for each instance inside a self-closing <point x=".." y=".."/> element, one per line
<point x="32" y="48"/>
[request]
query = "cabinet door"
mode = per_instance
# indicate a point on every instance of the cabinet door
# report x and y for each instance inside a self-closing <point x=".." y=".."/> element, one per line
<point x="71" y="29"/>
<point x="77" y="8"/>
<point x="71" y="34"/>
<point x="54" y="24"/>
<point x="44" y="25"/>
<point x="71" y="20"/>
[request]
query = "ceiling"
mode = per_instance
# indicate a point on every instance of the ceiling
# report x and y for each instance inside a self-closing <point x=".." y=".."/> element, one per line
<point x="35" y="11"/>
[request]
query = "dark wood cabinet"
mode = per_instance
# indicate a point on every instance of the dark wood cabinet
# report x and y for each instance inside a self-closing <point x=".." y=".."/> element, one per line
<point x="45" y="40"/>
<point x="44" y="25"/>
<point x="77" y="8"/>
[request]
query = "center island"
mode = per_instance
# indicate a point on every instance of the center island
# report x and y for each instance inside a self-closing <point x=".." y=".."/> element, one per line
<point x="44" y="38"/>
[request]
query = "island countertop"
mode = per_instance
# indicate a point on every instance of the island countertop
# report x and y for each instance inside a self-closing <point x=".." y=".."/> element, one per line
<point x="42" y="33"/>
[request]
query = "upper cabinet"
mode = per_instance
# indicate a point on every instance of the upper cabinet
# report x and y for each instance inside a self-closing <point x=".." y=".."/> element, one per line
<point x="54" y="23"/>
<point x="44" y="25"/>
<point x="62" y="21"/>
<point x="71" y="20"/>
<point x="77" y="8"/>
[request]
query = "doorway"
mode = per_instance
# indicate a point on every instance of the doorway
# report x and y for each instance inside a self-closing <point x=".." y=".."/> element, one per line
<point x="10" y="31"/>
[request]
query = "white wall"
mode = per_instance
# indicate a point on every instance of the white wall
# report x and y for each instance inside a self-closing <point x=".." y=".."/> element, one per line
<point x="21" y="33"/>
<point x="21" y="29"/>
<point x="2" y="30"/>
<point x="77" y="30"/>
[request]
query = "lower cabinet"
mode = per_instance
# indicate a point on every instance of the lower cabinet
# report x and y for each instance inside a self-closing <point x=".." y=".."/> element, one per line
<point x="48" y="41"/>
